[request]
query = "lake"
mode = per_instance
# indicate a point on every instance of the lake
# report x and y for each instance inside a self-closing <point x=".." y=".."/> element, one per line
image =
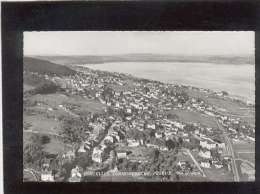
<point x="237" y="80"/>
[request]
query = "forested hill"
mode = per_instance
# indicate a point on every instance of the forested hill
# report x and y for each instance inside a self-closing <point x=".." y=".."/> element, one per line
<point x="45" y="67"/>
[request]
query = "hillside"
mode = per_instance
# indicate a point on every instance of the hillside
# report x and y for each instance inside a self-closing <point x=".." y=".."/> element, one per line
<point x="45" y="67"/>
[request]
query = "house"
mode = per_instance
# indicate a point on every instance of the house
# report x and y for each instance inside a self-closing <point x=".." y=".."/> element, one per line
<point x="179" y="125"/>
<point x="117" y="104"/>
<point x="152" y="145"/>
<point x="129" y="110"/>
<point x="205" y="154"/>
<point x="75" y="172"/>
<point x="218" y="165"/>
<point x="81" y="149"/>
<point x="182" y="164"/>
<point x="197" y="131"/>
<point x="251" y="138"/>
<point x="97" y="155"/>
<point x="75" y="175"/>
<point x="69" y="155"/>
<point x="109" y="138"/>
<point x="121" y="155"/>
<point x="47" y="176"/>
<point x="209" y="146"/>
<point x="151" y="126"/>
<point x="231" y="129"/>
<point x="117" y="93"/>
<point x="221" y="145"/>
<point x="163" y="148"/>
<point x="132" y="143"/>
<point x="158" y="134"/>
<point x="205" y="164"/>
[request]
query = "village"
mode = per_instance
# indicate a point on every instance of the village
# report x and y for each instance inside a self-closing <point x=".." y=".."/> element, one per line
<point x="139" y="131"/>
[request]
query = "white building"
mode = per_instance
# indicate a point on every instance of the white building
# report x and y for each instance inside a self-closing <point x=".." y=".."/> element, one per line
<point x="132" y="143"/>
<point x="121" y="155"/>
<point x="158" y="135"/>
<point x="205" y="164"/>
<point x="47" y="177"/>
<point x="205" y="154"/>
<point x="209" y="146"/>
<point x="151" y="126"/>
<point x="97" y="155"/>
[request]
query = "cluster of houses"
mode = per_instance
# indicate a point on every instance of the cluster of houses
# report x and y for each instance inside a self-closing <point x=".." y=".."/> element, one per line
<point x="143" y="107"/>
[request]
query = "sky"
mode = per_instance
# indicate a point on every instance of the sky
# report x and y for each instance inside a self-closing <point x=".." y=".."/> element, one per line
<point x="125" y="42"/>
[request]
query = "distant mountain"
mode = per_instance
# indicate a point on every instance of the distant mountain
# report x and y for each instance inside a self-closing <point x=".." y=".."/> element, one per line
<point x="45" y="67"/>
<point x="146" y="57"/>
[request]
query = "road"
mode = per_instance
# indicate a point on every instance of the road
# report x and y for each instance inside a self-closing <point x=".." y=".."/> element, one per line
<point x="230" y="152"/>
<point x="195" y="161"/>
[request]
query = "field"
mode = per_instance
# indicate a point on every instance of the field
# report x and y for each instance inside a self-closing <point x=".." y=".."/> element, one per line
<point x="27" y="87"/>
<point x="55" y="100"/>
<point x="245" y="151"/>
<point x="40" y="124"/>
<point x="229" y="107"/>
<point x="219" y="175"/>
<point x="191" y="117"/>
<point x="247" y="156"/>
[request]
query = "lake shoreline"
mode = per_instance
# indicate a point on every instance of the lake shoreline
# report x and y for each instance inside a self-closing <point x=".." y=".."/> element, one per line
<point x="200" y="75"/>
<point x="231" y="95"/>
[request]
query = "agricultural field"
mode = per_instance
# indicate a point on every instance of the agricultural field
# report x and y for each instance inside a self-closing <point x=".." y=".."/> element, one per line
<point x="234" y="109"/>
<point x="27" y="87"/>
<point x="227" y="106"/>
<point x="245" y="151"/>
<point x="194" y="117"/>
<point x="58" y="103"/>
<point x="40" y="124"/>
<point x="218" y="175"/>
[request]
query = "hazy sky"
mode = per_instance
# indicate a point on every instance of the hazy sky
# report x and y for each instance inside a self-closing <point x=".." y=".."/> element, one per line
<point x="123" y="42"/>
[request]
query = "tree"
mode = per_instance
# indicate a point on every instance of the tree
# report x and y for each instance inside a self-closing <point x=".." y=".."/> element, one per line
<point x="189" y="128"/>
<point x="155" y="155"/>
<point x="180" y="141"/>
<point x="83" y="160"/>
<point x="183" y="97"/>
<point x="74" y="129"/>
<point x="45" y="139"/>
<point x="46" y="88"/>
<point x="172" y="116"/>
<point x="224" y="93"/>
<point x="170" y="144"/>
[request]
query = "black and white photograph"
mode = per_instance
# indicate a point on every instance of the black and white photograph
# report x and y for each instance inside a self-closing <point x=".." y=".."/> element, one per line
<point x="139" y="106"/>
